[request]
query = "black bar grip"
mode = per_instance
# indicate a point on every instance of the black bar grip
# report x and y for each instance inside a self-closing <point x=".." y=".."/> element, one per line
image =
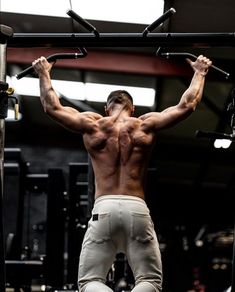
<point x="160" y="20"/>
<point x="53" y="58"/>
<point x="214" y="135"/>
<point x="186" y="55"/>
<point x="82" y="21"/>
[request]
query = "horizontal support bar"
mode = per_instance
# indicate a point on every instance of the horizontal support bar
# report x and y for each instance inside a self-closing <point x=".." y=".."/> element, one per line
<point x="122" y="40"/>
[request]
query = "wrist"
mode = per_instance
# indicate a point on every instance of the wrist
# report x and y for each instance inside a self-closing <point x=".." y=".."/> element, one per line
<point x="43" y="73"/>
<point x="200" y="73"/>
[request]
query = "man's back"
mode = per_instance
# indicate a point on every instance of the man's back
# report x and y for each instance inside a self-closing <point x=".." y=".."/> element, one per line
<point x="120" y="151"/>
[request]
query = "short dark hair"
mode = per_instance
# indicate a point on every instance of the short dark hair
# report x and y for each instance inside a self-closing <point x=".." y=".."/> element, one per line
<point x="119" y="93"/>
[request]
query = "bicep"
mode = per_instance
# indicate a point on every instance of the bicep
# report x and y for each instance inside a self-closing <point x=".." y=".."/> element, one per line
<point x="73" y="120"/>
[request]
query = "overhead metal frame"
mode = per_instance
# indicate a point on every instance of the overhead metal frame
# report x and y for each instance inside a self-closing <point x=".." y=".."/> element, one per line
<point x="226" y="39"/>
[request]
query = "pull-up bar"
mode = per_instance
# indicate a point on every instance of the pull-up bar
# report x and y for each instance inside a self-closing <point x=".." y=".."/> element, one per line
<point x="147" y="38"/>
<point x="60" y="40"/>
<point x="97" y="36"/>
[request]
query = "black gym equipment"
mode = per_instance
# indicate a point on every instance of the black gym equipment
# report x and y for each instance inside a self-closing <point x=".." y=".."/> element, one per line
<point x="231" y="115"/>
<point x="54" y="58"/>
<point x="231" y="137"/>
<point x="5" y="33"/>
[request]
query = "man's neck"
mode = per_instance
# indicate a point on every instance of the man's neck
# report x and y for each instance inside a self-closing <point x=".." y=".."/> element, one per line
<point x="119" y="115"/>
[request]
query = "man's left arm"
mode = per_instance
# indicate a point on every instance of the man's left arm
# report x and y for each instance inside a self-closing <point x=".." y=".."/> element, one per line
<point x="155" y="121"/>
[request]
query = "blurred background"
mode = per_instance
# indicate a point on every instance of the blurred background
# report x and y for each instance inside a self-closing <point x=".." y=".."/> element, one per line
<point x="48" y="178"/>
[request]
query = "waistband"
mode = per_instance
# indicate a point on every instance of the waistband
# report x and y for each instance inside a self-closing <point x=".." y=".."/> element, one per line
<point x="119" y="197"/>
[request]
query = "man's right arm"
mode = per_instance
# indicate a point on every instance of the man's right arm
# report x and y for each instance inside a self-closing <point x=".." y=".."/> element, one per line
<point x="68" y="117"/>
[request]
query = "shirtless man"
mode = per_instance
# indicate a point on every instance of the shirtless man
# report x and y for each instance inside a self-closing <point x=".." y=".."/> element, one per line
<point x="120" y="146"/>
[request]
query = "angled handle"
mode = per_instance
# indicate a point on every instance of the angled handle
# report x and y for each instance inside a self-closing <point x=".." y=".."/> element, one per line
<point x="184" y="54"/>
<point x="53" y="58"/>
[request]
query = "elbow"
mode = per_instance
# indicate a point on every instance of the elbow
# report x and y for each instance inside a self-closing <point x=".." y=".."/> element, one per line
<point x="48" y="109"/>
<point x="190" y="107"/>
<point x="194" y="105"/>
<point x="45" y="107"/>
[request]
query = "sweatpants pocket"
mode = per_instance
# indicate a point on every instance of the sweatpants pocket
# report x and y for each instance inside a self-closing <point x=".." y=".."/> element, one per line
<point x="100" y="227"/>
<point x="141" y="227"/>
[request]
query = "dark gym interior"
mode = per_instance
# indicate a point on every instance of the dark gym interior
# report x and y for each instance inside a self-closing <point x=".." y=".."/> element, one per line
<point x="48" y="186"/>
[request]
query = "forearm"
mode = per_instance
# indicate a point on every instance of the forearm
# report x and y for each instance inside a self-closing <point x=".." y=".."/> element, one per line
<point x="193" y="95"/>
<point x="49" y="98"/>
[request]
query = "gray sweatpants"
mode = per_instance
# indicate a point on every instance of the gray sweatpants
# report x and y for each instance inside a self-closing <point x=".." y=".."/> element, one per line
<point x="120" y="223"/>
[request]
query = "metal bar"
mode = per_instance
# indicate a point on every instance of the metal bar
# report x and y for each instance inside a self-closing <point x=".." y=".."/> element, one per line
<point x="54" y="58"/>
<point x="186" y="55"/>
<point x="226" y="39"/>
<point x="83" y="22"/>
<point x="5" y="33"/>
<point x="159" y="21"/>
<point x="214" y="135"/>
<point x="233" y="264"/>
<point x="2" y="140"/>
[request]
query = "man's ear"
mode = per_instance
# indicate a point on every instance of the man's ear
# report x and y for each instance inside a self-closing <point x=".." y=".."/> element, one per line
<point x="133" y="110"/>
<point x="105" y="109"/>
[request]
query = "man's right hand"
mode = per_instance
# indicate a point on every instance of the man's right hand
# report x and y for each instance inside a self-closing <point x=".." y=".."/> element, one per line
<point x="41" y="65"/>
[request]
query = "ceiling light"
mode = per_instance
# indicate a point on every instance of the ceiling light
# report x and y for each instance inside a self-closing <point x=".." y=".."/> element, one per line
<point x="70" y="89"/>
<point x="99" y="92"/>
<point x="94" y="92"/>
<point x="222" y="143"/>
<point x="30" y="86"/>
<point x="131" y="11"/>
<point x="25" y="86"/>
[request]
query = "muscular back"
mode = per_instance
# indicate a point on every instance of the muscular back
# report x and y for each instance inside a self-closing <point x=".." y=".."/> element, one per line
<point x="120" y="151"/>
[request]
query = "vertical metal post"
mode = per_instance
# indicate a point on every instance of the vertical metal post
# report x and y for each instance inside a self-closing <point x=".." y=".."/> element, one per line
<point x="54" y="264"/>
<point x="2" y="121"/>
<point x="233" y="264"/>
<point x="5" y="33"/>
<point x="233" y="259"/>
<point x="2" y="140"/>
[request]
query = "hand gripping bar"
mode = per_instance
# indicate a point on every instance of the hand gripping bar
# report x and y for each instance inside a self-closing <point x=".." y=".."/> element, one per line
<point x="184" y="54"/>
<point x="53" y="58"/>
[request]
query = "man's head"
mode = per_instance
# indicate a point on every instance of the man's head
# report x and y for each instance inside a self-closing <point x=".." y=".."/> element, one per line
<point x="119" y="97"/>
